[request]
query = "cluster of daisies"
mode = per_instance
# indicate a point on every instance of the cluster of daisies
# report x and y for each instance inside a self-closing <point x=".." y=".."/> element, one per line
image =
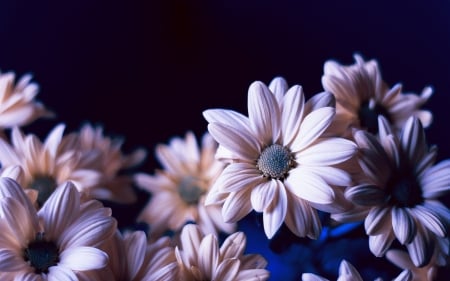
<point x="356" y="151"/>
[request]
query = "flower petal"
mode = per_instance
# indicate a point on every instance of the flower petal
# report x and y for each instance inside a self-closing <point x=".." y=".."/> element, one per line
<point x="309" y="186"/>
<point x="403" y="225"/>
<point x="83" y="258"/>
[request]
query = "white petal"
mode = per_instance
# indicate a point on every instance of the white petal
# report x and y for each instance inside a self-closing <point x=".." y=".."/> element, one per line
<point x="228" y="117"/>
<point x="309" y="186"/>
<point x="379" y="244"/>
<point x="83" y="258"/>
<point x="327" y="152"/>
<point x="273" y="216"/>
<point x="278" y="86"/>
<point x="403" y="225"/>
<point x="421" y="248"/>
<point x="263" y="194"/>
<point x="236" y="206"/>
<point x="61" y="273"/>
<point x="292" y="113"/>
<point x="208" y="255"/>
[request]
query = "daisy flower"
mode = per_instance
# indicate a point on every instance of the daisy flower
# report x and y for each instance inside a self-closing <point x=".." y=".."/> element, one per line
<point x="103" y="154"/>
<point x="133" y="258"/>
<point x="362" y="95"/>
<point x="200" y="258"/>
<point x="348" y="272"/>
<point x="280" y="162"/>
<point x="44" y="167"/>
<point x="56" y="242"/>
<point x="401" y="191"/>
<point x="178" y="190"/>
<point x="18" y="106"/>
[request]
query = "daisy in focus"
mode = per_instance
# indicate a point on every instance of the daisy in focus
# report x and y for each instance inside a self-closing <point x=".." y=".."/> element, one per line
<point x="178" y="191"/>
<point x="280" y="161"/>
<point x="44" y="166"/>
<point x="400" y="195"/>
<point x="18" y="106"/>
<point x="362" y="95"/>
<point x="200" y="258"/>
<point x="348" y="272"/>
<point x="103" y="154"/>
<point x="55" y="243"/>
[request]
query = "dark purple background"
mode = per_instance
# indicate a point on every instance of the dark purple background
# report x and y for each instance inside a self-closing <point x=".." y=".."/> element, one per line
<point x="146" y="70"/>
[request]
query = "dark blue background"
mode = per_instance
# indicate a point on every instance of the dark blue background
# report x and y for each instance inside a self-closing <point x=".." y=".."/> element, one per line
<point x="147" y="69"/>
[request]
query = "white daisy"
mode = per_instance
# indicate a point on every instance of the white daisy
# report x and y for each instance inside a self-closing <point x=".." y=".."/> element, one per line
<point x="56" y="242"/>
<point x="280" y="162"/>
<point x="402" y="189"/>
<point x="178" y="190"/>
<point x="362" y="95"/>
<point x="200" y="258"/>
<point x="18" y="106"/>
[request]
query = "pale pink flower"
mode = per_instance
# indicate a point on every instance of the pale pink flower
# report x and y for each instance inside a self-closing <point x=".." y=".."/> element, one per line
<point x="104" y="154"/>
<point x="62" y="238"/>
<point x="401" y="191"/>
<point x="362" y="95"/>
<point x="178" y="191"/>
<point x="280" y="161"/>
<point x="200" y="258"/>
<point x="18" y="106"/>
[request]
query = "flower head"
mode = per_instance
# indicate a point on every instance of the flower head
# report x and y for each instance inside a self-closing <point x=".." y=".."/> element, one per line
<point x="178" y="191"/>
<point x="200" y="258"/>
<point x="280" y="161"/>
<point x="62" y="238"/>
<point x="362" y="95"/>
<point x="401" y="191"/>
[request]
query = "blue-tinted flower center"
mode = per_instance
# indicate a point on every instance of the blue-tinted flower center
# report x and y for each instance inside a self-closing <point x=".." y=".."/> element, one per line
<point x="190" y="190"/>
<point x="275" y="162"/>
<point x="41" y="254"/>
<point x="45" y="185"/>
<point x="368" y="115"/>
<point x="404" y="190"/>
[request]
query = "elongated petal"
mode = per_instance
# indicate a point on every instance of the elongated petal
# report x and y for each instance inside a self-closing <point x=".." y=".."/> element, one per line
<point x="236" y="206"/>
<point x="135" y="247"/>
<point x="379" y="244"/>
<point x="233" y="246"/>
<point x="292" y="113"/>
<point x="227" y="270"/>
<point x="11" y="261"/>
<point x="309" y="187"/>
<point x="377" y="221"/>
<point x="263" y="194"/>
<point x="365" y="195"/>
<point x="273" y="216"/>
<point x="403" y="225"/>
<point x="421" y="248"/>
<point x="327" y="152"/>
<point x="208" y="258"/>
<point x="228" y="117"/>
<point x="83" y="258"/>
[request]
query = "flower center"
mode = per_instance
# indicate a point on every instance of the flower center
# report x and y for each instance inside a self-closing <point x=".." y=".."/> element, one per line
<point x="190" y="190"/>
<point x="45" y="185"/>
<point x="368" y="115"/>
<point x="41" y="254"/>
<point x="404" y="190"/>
<point x="275" y="162"/>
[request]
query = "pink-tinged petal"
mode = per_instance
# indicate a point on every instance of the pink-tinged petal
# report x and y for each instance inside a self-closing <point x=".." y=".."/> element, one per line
<point x="250" y="261"/>
<point x="10" y="188"/>
<point x="263" y="194"/>
<point x="421" y="248"/>
<point x="384" y="127"/>
<point x="227" y="270"/>
<point x="53" y="140"/>
<point x="190" y="238"/>
<point x="20" y="222"/>
<point x="60" y="209"/>
<point x="135" y="247"/>
<point x="278" y="86"/>
<point x="9" y="155"/>
<point x="27" y="276"/>
<point x="319" y="100"/>
<point x="236" y="206"/>
<point x="365" y="195"/>
<point x="435" y="181"/>
<point x="61" y="273"/>
<point x="403" y="225"/>
<point x="17" y="138"/>
<point x="227" y="117"/>
<point x="438" y="208"/>
<point x="297" y="216"/>
<point x="329" y="151"/>
<point x="427" y="161"/>
<point x="263" y="112"/>
<point x="312" y="127"/>
<point x="208" y="258"/>
<point x="257" y="274"/>
<point x="331" y="175"/>
<point x="346" y="268"/>
<point x="11" y="261"/>
<point x="292" y="113"/>
<point x="405" y="275"/>
<point x="309" y="187"/>
<point x="430" y="219"/>
<point x="378" y="220"/>
<point x="14" y="172"/>
<point x="83" y="258"/>
<point x="400" y="258"/>
<point x="380" y="243"/>
<point x="312" y="277"/>
<point x="238" y="176"/>
<point x="233" y="246"/>
<point x="238" y="141"/>
<point x="275" y="213"/>
<point x="392" y="149"/>
<point x="166" y="273"/>
<point x="169" y="159"/>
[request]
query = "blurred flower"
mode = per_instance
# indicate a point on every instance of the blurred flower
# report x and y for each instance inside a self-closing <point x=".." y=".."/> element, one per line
<point x="178" y="191"/>
<point x="133" y="259"/>
<point x="18" y="106"/>
<point x="200" y="258"/>
<point x="280" y="163"/>
<point x="362" y="95"/>
<point x="401" y="191"/>
<point x="56" y="242"/>
<point x="347" y="272"/>
<point x="401" y="259"/>
<point x="103" y="154"/>
<point x="44" y="167"/>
